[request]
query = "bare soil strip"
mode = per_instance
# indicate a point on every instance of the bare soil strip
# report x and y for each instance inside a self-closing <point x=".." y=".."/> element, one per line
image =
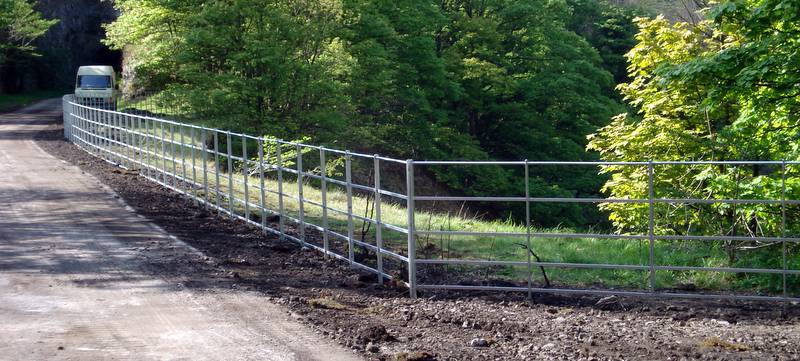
<point x="383" y="324"/>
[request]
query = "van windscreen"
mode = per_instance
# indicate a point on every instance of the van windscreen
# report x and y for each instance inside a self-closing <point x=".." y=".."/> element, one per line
<point x="94" y="81"/>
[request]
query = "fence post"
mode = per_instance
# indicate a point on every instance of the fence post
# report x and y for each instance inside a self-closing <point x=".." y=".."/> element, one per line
<point x="324" y="192"/>
<point x="96" y="132"/>
<point x="183" y="156"/>
<point x="279" y="161"/>
<point x="193" y="136"/>
<point x="412" y="245"/>
<point x="246" y="175"/>
<point x="230" y="173"/>
<point x="376" y="201"/>
<point x="300" y="200"/>
<point x="528" y="230"/>
<point x="651" y="224"/>
<point x="204" y="158"/>
<point x="783" y="224"/>
<point x="65" y="116"/>
<point x="216" y="171"/>
<point x="136" y="123"/>
<point x="147" y="158"/>
<point x="261" y="179"/>
<point x="122" y="121"/>
<point x="163" y="154"/>
<point x="348" y="177"/>
<point x="172" y="155"/>
<point x="129" y="141"/>
<point x="116" y="138"/>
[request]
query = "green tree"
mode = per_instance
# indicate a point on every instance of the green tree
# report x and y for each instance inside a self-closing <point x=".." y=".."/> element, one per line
<point x="453" y="79"/>
<point x="608" y="28"/>
<point x="532" y="89"/>
<point x="20" y="26"/>
<point x="719" y="89"/>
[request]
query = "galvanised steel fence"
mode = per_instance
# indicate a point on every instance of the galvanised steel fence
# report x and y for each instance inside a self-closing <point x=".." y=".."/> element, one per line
<point x="289" y="189"/>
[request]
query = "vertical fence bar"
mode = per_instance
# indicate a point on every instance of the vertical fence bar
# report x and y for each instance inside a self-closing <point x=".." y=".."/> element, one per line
<point x="93" y="125"/>
<point x="116" y="138"/>
<point x="300" y="200"/>
<point x="88" y="139"/>
<point x="90" y="121"/>
<point x="131" y="135"/>
<point x="783" y="223"/>
<point x="528" y="229"/>
<point x="348" y="177"/>
<point x="216" y="170"/>
<point x="172" y="155"/>
<point x="245" y="174"/>
<point x="107" y="135"/>
<point x="89" y="128"/>
<point x="323" y="166"/>
<point x="115" y="145"/>
<point x="120" y="139"/>
<point x="376" y="202"/>
<point x="163" y="154"/>
<point x="183" y="155"/>
<point x="193" y="137"/>
<point x="97" y="133"/>
<point x="129" y="141"/>
<point x="124" y="152"/>
<point x="204" y="155"/>
<point x="65" y="116"/>
<point x="230" y="172"/>
<point x="412" y="243"/>
<point x="281" y="213"/>
<point x="108" y="121"/>
<point x="651" y="224"/>
<point x="113" y="141"/>
<point x="102" y="133"/>
<point x="127" y="135"/>
<point x="147" y="156"/>
<point x="120" y="135"/>
<point x="139" y="145"/>
<point x="263" y="200"/>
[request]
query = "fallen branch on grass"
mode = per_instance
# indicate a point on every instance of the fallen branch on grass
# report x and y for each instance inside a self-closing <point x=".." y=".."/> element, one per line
<point x="544" y="273"/>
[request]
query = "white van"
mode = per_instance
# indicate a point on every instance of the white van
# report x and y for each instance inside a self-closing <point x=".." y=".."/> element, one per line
<point x="95" y="85"/>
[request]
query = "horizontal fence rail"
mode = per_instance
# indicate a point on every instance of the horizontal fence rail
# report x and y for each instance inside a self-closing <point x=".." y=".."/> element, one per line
<point x="341" y="204"/>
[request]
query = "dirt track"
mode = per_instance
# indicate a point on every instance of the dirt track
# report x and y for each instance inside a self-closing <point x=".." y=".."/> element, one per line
<point x="382" y="323"/>
<point x="74" y="283"/>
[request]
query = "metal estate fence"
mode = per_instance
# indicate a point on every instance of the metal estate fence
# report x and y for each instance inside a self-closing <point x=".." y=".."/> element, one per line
<point x="364" y="209"/>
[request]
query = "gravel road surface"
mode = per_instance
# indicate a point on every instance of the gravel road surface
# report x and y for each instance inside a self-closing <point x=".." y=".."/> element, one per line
<point x="74" y="285"/>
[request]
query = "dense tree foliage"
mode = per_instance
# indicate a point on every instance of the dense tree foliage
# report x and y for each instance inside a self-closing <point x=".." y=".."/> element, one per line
<point x="20" y="25"/>
<point x="725" y="88"/>
<point x="454" y="79"/>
